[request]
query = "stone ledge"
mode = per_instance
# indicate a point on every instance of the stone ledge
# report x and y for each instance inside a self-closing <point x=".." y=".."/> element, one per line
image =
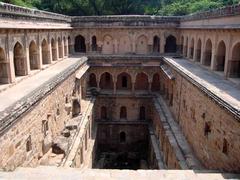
<point x="10" y="115"/>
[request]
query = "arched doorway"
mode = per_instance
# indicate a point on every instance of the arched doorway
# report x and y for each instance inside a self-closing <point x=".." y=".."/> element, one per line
<point x="208" y="53"/>
<point x="122" y="137"/>
<point x="92" y="80"/>
<point x="170" y="46"/>
<point x="191" y="48"/>
<point x="60" y="48"/>
<point x="124" y="81"/>
<point x="142" y="45"/>
<point x="45" y="53"/>
<point x="3" y="67"/>
<point x="156" y="44"/>
<point x="76" y="108"/>
<point x="141" y="81"/>
<point x="19" y="60"/>
<point x="80" y="45"/>
<point x="104" y="113"/>
<point x="94" y="43"/>
<point x="33" y="56"/>
<point x="185" y="48"/>
<point x="123" y="112"/>
<point x="220" y="58"/>
<point x="142" y="113"/>
<point x="199" y="50"/>
<point x="106" y="81"/>
<point x="234" y="63"/>
<point x="156" y="82"/>
<point x="54" y="50"/>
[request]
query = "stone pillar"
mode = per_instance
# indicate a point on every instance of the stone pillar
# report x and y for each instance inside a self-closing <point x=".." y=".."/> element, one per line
<point x="9" y="58"/>
<point x="57" y="50"/>
<point x="114" y="87"/>
<point x="162" y="44"/>
<point x="149" y="86"/>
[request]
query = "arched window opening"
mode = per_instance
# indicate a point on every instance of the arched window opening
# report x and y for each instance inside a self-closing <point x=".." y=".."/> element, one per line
<point x="122" y="137"/>
<point x="234" y="63"/>
<point x="191" y="48"/>
<point x="80" y="45"/>
<point x="103" y="113"/>
<point x="45" y="52"/>
<point x="76" y="108"/>
<point x="124" y="81"/>
<point x="225" y="146"/>
<point x="92" y="80"/>
<point x="29" y="144"/>
<point x="142" y="113"/>
<point x="33" y="55"/>
<point x="19" y="60"/>
<point x="94" y="43"/>
<point x="185" y="48"/>
<point x="54" y="50"/>
<point x="208" y="53"/>
<point x="141" y="82"/>
<point x="65" y="46"/>
<point x="3" y="67"/>
<point x="170" y="46"/>
<point x="69" y="45"/>
<point x="60" y="48"/>
<point x="220" y="58"/>
<point x="156" y="82"/>
<point x="123" y="112"/>
<point x="181" y="45"/>
<point x="199" y="50"/>
<point x="106" y="81"/>
<point x="156" y="44"/>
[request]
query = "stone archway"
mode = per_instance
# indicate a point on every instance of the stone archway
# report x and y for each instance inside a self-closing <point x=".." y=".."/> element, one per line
<point x="156" y="44"/>
<point x="234" y="63"/>
<point x="33" y="56"/>
<point x="220" y="57"/>
<point x="60" y="48"/>
<point x="199" y="50"/>
<point x="45" y="53"/>
<point x="54" y="50"/>
<point x="80" y="45"/>
<point x="170" y="46"/>
<point x="141" y="81"/>
<point x="3" y="67"/>
<point x="208" y="53"/>
<point x="94" y="43"/>
<point x="191" y="48"/>
<point x="156" y="82"/>
<point x="92" y="80"/>
<point x="19" y="60"/>
<point x="124" y="81"/>
<point x="106" y="81"/>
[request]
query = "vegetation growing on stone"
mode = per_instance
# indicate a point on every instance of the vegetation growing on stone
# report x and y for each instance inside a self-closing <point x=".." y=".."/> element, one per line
<point x="123" y="7"/>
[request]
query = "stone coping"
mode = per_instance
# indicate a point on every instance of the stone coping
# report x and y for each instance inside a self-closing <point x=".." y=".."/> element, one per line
<point x="61" y="173"/>
<point x="221" y="91"/>
<point x="12" y="108"/>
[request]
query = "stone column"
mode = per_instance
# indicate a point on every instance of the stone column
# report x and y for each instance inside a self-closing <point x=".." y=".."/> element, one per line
<point x="9" y="58"/>
<point x="162" y="44"/>
<point x="26" y="55"/>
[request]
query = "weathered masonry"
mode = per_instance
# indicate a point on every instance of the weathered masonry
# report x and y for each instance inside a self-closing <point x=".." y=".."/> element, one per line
<point x="120" y="92"/>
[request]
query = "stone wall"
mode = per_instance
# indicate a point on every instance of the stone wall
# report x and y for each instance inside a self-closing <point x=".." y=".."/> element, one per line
<point x="33" y="132"/>
<point x="210" y="128"/>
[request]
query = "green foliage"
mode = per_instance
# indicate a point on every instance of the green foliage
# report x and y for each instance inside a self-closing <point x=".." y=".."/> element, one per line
<point x="122" y="7"/>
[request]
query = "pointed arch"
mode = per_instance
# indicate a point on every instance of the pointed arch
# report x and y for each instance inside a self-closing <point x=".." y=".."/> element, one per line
<point x="234" y="63"/>
<point x="106" y="81"/>
<point x="191" y="48"/>
<point x="123" y="112"/>
<point x="220" y="56"/>
<point x="208" y="53"/>
<point x="156" y="82"/>
<point x="141" y="81"/>
<point x="19" y="60"/>
<point x="92" y="80"/>
<point x="33" y="56"/>
<point x="198" y="50"/>
<point x="124" y="81"/>
<point x="156" y="44"/>
<point x="80" y="45"/>
<point x="170" y="46"/>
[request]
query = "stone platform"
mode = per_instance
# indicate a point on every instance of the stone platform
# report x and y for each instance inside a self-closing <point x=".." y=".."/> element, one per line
<point x="47" y="172"/>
